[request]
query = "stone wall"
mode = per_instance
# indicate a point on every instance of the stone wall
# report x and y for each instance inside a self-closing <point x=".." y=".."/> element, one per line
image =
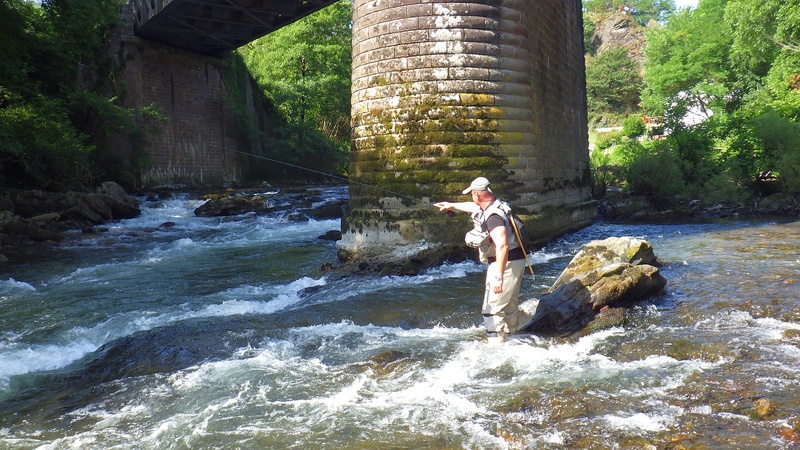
<point x="187" y="88"/>
<point x="444" y="92"/>
<point x="192" y="147"/>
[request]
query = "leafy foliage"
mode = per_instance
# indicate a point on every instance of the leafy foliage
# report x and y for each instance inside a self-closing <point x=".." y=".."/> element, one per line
<point x="687" y="65"/>
<point x="722" y="188"/>
<point x="54" y="117"/>
<point x="633" y="127"/>
<point x="38" y="141"/>
<point x="789" y="167"/>
<point x="304" y="68"/>
<point x="602" y="172"/>
<point x="588" y="33"/>
<point x="752" y="48"/>
<point x="612" y="85"/>
<point x="733" y="66"/>
<point x="655" y="174"/>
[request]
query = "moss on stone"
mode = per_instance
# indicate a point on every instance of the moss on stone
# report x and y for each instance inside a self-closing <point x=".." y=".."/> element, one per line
<point x="434" y="133"/>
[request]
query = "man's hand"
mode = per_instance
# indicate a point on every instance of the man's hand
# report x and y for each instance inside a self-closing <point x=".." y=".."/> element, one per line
<point x="467" y="207"/>
<point x="444" y="206"/>
<point x="497" y="285"/>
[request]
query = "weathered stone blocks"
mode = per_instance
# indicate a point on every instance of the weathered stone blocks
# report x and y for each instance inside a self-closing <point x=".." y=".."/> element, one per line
<point x="446" y="91"/>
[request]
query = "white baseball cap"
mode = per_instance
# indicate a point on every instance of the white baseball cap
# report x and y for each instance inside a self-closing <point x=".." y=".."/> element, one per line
<point x="478" y="184"/>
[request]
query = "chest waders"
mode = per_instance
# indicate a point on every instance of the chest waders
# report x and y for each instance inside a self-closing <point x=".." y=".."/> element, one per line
<point x="500" y="313"/>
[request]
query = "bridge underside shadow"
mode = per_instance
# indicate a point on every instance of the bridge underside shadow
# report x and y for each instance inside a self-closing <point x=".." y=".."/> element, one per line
<point x="215" y="27"/>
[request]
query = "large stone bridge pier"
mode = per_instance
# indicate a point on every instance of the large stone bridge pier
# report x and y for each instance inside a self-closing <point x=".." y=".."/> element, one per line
<point x="446" y="91"/>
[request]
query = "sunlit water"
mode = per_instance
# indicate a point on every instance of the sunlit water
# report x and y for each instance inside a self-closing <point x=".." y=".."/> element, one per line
<point x="225" y="333"/>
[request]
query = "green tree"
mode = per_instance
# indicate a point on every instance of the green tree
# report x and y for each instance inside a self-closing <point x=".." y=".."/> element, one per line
<point x="753" y="48"/>
<point x="687" y="64"/>
<point x="654" y="173"/>
<point x="766" y="54"/>
<point x="613" y="81"/>
<point x="56" y="99"/>
<point x="588" y="33"/>
<point x="17" y="41"/>
<point x="737" y="62"/>
<point x="304" y="68"/>
<point x="633" y="127"/>
<point x="641" y="10"/>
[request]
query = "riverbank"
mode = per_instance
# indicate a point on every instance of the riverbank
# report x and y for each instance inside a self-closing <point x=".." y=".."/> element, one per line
<point x="29" y="216"/>
<point x="619" y="206"/>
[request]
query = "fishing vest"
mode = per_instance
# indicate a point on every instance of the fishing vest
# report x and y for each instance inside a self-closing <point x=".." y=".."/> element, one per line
<point x="479" y="237"/>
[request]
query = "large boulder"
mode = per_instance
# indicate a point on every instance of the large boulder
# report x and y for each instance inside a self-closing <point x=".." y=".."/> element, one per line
<point x="122" y="205"/>
<point x="334" y="210"/>
<point x="603" y="279"/>
<point x="109" y="202"/>
<point x="89" y="209"/>
<point x="233" y="205"/>
<point x="41" y="216"/>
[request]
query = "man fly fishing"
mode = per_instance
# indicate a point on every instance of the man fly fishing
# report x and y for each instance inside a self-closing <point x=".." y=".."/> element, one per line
<point x="498" y="242"/>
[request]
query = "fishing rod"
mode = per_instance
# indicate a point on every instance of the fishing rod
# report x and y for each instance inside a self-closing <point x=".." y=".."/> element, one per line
<point x="330" y="175"/>
<point x="449" y="213"/>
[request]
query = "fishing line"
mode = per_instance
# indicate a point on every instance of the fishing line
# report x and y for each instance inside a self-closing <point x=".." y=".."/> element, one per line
<point x="330" y="175"/>
<point x="449" y="213"/>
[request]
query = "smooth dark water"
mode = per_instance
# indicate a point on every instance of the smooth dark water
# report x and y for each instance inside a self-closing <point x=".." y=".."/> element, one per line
<point x="225" y="334"/>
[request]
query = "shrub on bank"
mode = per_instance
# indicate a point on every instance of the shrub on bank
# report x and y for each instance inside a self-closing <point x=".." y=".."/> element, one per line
<point x="728" y="159"/>
<point x="721" y="188"/>
<point x="655" y="175"/>
<point x="789" y="168"/>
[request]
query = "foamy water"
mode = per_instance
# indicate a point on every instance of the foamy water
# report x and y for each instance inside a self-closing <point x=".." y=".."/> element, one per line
<point x="224" y="333"/>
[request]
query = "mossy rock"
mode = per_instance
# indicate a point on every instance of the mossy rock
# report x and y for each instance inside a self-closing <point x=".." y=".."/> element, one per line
<point x="607" y="252"/>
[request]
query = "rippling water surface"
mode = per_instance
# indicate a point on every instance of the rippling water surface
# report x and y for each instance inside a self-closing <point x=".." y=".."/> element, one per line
<point x="224" y="333"/>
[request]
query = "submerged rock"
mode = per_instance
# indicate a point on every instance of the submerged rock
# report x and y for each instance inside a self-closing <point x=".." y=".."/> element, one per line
<point x="603" y="279"/>
<point x="233" y="205"/>
<point x="295" y="204"/>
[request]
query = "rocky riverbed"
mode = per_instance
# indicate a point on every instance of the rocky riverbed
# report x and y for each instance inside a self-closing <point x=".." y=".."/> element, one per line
<point x="617" y="205"/>
<point x="34" y="217"/>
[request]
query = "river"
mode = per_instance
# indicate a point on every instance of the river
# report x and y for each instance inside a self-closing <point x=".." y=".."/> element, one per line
<point x="225" y="333"/>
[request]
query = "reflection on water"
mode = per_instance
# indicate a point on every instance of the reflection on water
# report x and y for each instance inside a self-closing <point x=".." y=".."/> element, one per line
<point x="225" y="334"/>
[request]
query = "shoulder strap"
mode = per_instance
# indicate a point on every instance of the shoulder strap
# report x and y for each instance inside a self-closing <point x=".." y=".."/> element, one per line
<point x="503" y="210"/>
<point x="497" y="207"/>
